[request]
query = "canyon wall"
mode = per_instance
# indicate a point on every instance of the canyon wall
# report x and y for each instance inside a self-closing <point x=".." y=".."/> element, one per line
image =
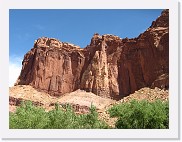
<point x="109" y="66"/>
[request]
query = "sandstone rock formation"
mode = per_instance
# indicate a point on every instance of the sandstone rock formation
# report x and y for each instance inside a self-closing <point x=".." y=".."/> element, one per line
<point x="109" y="66"/>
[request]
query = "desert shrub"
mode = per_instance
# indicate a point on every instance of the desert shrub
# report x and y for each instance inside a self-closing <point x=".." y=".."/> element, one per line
<point x="61" y="119"/>
<point x="91" y="121"/>
<point x="28" y="116"/>
<point x="141" y="115"/>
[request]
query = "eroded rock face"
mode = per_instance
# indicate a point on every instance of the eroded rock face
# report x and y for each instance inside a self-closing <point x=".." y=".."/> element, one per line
<point x="109" y="66"/>
<point x="54" y="69"/>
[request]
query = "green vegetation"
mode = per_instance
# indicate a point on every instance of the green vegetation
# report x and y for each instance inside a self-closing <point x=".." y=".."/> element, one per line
<point x="29" y="116"/>
<point x="131" y="115"/>
<point x="141" y="115"/>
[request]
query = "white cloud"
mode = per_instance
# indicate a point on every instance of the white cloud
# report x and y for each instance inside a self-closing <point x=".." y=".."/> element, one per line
<point x="14" y="69"/>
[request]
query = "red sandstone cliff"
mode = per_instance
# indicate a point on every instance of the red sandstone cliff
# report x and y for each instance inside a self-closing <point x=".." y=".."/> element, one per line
<point x="109" y="66"/>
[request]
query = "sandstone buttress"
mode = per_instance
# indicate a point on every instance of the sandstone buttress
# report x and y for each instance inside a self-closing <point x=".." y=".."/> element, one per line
<point x="109" y="66"/>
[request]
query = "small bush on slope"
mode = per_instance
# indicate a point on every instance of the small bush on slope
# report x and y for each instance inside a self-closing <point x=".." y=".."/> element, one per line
<point x="141" y="115"/>
<point x="69" y="120"/>
<point x="28" y="116"/>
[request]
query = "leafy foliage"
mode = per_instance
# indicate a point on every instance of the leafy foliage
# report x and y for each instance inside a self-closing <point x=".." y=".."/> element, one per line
<point x="131" y="115"/>
<point x="28" y="116"/>
<point x="141" y="115"/>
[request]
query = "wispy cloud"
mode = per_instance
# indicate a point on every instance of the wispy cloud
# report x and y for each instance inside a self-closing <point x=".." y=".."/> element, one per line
<point x="14" y="69"/>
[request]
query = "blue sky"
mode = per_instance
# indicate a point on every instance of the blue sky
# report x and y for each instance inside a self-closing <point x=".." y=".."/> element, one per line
<point x="74" y="26"/>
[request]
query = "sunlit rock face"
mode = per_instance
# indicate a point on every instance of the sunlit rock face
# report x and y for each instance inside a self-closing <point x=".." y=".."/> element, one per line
<point x="109" y="66"/>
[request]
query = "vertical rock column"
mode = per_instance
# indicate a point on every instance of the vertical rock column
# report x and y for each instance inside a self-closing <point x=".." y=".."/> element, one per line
<point x="95" y="77"/>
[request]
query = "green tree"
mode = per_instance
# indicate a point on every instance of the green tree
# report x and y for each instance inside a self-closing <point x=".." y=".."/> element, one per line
<point x="141" y="115"/>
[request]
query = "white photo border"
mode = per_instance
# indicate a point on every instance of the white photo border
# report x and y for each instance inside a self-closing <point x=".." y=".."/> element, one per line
<point x="171" y="133"/>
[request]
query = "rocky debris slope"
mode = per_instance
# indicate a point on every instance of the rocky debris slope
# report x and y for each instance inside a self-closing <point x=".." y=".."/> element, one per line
<point x="147" y="94"/>
<point x="27" y="92"/>
<point x="80" y="100"/>
<point x="20" y="93"/>
<point x="110" y="67"/>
